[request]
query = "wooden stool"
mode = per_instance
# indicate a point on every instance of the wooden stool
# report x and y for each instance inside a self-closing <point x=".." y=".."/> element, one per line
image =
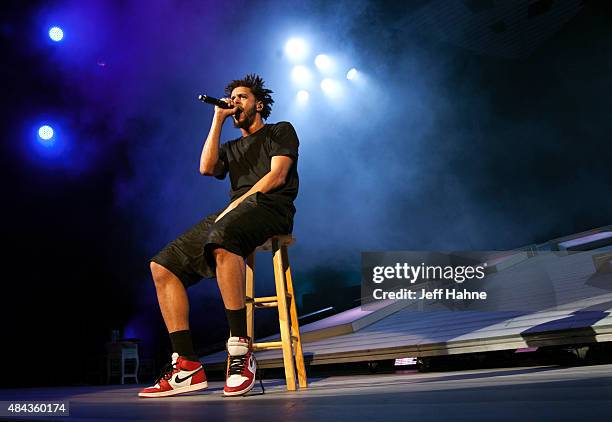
<point x="284" y="300"/>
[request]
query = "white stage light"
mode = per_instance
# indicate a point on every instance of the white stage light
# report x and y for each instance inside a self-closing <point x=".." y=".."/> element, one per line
<point x="45" y="132"/>
<point x="351" y="74"/>
<point x="323" y="62"/>
<point x="296" y="49"/>
<point x="56" y="34"/>
<point x="300" y="74"/>
<point x="330" y="87"/>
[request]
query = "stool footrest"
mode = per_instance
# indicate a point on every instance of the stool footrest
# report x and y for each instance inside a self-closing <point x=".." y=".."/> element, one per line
<point x="271" y="344"/>
<point x="265" y="301"/>
<point x="266" y="305"/>
<point x="268" y="345"/>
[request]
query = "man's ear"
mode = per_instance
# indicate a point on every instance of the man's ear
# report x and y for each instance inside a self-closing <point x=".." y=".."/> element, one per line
<point x="259" y="106"/>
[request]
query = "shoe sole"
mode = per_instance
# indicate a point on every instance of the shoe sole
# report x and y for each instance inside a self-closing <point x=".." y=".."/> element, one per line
<point x="176" y="391"/>
<point x="241" y="392"/>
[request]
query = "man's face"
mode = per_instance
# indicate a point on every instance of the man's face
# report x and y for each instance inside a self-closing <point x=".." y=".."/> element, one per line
<point x="247" y="107"/>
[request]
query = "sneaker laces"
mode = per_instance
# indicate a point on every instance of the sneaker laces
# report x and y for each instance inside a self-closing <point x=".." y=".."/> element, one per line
<point x="166" y="372"/>
<point x="236" y="364"/>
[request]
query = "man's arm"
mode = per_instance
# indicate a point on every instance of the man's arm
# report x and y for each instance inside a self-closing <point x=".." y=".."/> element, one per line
<point x="210" y="164"/>
<point x="275" y="178"/>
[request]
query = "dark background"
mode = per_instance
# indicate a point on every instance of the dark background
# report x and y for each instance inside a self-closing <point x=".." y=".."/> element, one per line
<point x="476" y="125"/>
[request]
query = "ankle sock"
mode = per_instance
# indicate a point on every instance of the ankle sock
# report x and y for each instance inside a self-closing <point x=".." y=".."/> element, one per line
<point x="183" y="344"/>
<point x="236" y="319"/>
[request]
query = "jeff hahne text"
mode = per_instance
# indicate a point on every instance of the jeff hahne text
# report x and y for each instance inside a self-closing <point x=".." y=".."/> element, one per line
<point x="423" y="273"/>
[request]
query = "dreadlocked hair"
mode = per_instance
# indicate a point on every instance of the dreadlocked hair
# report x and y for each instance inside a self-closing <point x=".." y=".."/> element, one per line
<point x="256" y="84"/>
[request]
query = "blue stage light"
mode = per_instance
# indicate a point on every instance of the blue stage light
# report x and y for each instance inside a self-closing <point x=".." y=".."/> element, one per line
<point x="46" y="139"/>
<point x="45" y="133"/>
<point x="351" y="74"/>
<point x="56" y="34"/>
<point x="296" y="49"/>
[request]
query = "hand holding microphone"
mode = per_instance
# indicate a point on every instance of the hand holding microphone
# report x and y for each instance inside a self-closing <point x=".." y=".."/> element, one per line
<point x="223" y="107"/>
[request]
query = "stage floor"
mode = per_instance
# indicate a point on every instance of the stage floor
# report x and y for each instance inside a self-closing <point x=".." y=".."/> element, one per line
<point x="533" y="393"/>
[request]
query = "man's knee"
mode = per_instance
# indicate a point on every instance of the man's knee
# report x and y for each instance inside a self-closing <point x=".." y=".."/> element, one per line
<point x="223" y="255"/>
<point x="160" y="273"/>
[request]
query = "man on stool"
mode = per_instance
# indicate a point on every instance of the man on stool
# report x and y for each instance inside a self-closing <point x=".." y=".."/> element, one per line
<point x="262" y="165"/>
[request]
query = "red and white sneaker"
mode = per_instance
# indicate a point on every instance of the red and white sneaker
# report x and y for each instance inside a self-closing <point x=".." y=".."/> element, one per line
<point x="180" y="376"/>
<point x="241" y="366"/>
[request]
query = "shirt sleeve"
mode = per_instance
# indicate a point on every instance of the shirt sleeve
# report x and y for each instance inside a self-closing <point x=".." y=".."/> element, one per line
<point x="223" y="158"/>
<point x="284" y="141"/>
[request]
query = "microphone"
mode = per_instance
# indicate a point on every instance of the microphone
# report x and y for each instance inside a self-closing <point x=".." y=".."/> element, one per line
<point x="214" y="101"/>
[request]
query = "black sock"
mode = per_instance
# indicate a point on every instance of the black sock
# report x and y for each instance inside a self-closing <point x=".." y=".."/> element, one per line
<point x="237" y="322"/>
<point x="183" y="345"/>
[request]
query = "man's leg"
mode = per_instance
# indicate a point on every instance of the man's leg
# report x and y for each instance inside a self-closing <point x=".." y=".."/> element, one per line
<point x="185" y="374"/>
<point x="231" y="281"/>
<point x="172" y="298"/>
<point x="176" y="266"/>
<point x="231" y="278"/>
<point x="241" y="366"/>
<point x="174" y="305"/>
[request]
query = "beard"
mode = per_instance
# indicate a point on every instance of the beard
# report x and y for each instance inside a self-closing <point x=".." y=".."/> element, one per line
<point x="243" y="119"/>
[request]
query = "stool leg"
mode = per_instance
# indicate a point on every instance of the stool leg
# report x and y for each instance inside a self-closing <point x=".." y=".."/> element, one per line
<point x="283" y="317"/>
<point x="295" y="327"/>
<point x="250" y="293"/>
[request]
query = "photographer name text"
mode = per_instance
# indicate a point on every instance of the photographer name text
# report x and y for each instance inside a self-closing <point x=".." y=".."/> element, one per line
<point x="435" y="294"/>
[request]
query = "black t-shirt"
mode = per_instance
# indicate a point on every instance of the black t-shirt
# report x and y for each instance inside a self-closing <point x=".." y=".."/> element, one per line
<point x="248" y="159"/>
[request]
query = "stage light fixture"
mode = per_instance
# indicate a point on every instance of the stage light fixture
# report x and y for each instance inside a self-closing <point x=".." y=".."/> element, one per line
<point x="303" y="96"/>
<point x="330" y="87"/>
<point x="296" y="49"/>
<point x="323" y="62"/>
<point x="56" y="34"/>
<point x="300" y="74"/>
<point x="45" y="132"/>
<point x="351" y="74"/>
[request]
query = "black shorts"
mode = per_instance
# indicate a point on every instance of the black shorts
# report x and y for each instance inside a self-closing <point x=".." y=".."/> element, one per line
<point x="240" y="231"/>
